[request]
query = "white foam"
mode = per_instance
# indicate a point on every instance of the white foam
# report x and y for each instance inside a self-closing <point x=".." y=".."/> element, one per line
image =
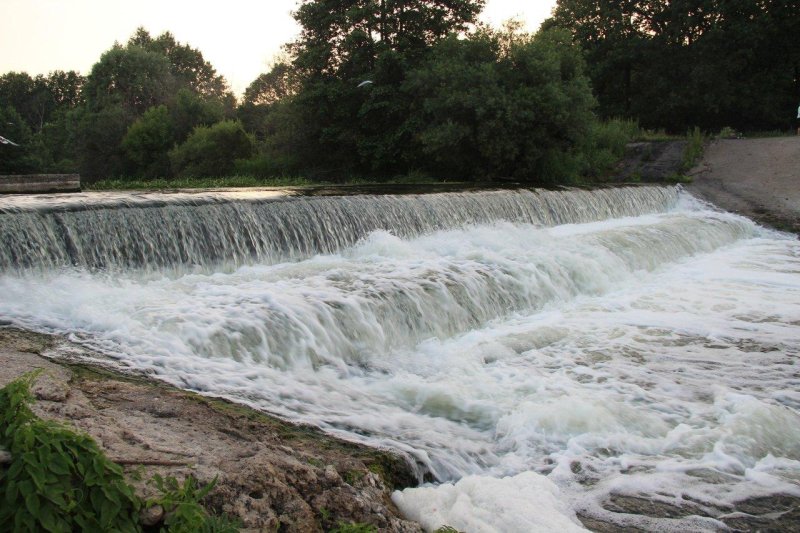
<point x="525" y="503"/>
<point x="653" y="356"/>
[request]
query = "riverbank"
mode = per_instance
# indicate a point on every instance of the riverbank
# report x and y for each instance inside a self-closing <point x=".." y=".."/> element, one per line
<point x="757" y="178"/>
<point x="273" y="475"/>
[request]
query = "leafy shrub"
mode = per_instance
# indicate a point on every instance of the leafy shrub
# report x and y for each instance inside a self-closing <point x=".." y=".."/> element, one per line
<point x="605" y="145"/>
<point x="694" y="148"/>
<point x="60" y="481"/>
<point x="184" y="514"/>
<point x="147" y="142"/>
<point x="57" y="480"/>
<point x="212" y="150"/>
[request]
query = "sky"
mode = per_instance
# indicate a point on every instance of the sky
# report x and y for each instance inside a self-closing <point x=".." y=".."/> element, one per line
<point x="239" y="37"/>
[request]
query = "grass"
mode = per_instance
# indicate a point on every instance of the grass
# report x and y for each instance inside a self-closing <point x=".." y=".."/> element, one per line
<point x="225" y="182"/>
<point x="694" y="149"/>
<point x="118" y="184"/>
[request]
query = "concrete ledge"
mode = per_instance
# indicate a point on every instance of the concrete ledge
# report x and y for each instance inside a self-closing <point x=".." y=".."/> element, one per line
<point x="33" y="183"/>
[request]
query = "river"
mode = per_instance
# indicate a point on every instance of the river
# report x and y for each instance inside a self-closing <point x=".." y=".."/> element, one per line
<point x="534" y="353"/>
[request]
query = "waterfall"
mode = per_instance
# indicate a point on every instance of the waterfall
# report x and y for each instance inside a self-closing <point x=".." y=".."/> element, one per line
<point x="221" y="229"/>
<point x="562" y="347"/>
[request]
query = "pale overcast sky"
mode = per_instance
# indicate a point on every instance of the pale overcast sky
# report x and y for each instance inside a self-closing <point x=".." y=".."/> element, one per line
<point x="238" y="37"/>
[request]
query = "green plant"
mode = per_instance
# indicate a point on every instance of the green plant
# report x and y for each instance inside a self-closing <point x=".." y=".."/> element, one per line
<point x="694" y="148"/>
<point x="212" y="150"/>
<point x="184" y="514"/>
<point x="58" y="480"/>
<point x="352" y="477"/>
<point x="447" y="529"/>
<point x="728" y="133"/>
<point x="343" y="527"/>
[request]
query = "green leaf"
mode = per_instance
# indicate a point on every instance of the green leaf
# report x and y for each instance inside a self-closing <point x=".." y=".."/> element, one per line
<point x="108" y="511"/>
<point x="32" y="503"/>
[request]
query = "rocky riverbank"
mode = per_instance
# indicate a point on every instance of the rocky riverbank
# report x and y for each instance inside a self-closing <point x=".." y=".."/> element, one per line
<point x="272" y="475"/>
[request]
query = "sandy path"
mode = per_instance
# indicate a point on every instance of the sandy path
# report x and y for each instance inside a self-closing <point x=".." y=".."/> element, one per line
<point x="758" y="178"/>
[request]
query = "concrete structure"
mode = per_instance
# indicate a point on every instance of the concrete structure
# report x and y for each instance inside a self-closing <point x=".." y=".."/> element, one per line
<point x="33" y="183"/>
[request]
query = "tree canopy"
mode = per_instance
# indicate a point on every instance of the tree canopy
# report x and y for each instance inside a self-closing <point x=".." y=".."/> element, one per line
<point x="380" y="88"/>
<point x="707" y="63"/>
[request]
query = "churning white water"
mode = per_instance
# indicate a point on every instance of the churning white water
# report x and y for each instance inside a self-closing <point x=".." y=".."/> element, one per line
<point x="534" y="368"/>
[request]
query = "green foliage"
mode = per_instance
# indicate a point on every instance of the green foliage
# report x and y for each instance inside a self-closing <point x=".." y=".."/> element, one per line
<point x="186" y="64"/>
<point x="343" y="527"/>
<point x="676" y="65"/>
<point x="37" y="99"/>
<point x="501" y="105"/>
<point x="694" y="148"/>
<point x="212" y="151"/>
<point x="15" y="159"/>
<point x="198" y="183"/>
<point x="343" y="39"/>
<point x="58" y="480"/>
<point x="604" y="146"/>
<point x="98" y="139"/>
<point x="181" y="503"/>
<point x="446" y="529"/>
<point x="148" y="141"/>
<point x="131" y="77"/>
<point x="189" y="110"/>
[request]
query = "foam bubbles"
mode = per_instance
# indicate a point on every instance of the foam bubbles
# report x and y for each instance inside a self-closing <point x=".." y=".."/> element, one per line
<point x="649" y="357"/>
<point x="479" y="504"/>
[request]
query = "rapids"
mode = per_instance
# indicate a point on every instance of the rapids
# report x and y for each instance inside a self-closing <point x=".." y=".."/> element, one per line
<point x="536" y="353"/>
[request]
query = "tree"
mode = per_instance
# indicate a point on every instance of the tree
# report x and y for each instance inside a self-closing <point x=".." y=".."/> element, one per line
<point x="147" y="143"/>
<point x="344" y="37"/>
<point x="710" y="63"/>
<point x="66" y="88"/>
<point x="498" y="105"/>
<point x="279" y="83"/>
<point x="268" y="89"/>
<point x="131" y="77"/>
<point x="186" y="64"/>
<point x="36" y="99"/>
<point x="98" y="139"/>
<point x="339" y="128"/>
<point x="212" y="150"/>
<point x="15" y="159"/>
<point x="189" y="110"/>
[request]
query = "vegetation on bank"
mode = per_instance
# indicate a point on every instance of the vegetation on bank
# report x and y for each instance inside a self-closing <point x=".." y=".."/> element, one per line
<point x="59" y="480"/>
<point x="371" y="90"/>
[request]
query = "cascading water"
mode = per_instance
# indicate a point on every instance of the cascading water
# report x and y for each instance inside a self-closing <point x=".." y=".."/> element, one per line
<point x="207" y="230"/>
<point x="543" y="352"/>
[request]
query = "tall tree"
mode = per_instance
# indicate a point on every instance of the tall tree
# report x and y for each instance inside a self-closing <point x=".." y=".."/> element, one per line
<point x="186" y="64"/>
<point x="344" y="37"/>
<point x="677" y="64"/>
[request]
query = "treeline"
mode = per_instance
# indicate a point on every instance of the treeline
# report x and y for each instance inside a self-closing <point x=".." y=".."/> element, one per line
<point x="679" y="64"/>
<point x="380" y="88"/>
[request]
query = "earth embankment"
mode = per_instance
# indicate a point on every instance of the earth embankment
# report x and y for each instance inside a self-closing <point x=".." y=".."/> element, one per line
<point x="757" y="178"/>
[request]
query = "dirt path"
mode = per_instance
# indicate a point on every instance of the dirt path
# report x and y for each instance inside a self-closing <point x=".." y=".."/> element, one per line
<point x="757" y="178"/>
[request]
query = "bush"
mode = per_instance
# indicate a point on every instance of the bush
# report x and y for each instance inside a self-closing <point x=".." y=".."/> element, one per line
<point x="212" y="150"/>
<point x="57" y="480"/>
<point x="605" y="146"/>
<point x="61" y="481"/>
<point x="148" y="141"/>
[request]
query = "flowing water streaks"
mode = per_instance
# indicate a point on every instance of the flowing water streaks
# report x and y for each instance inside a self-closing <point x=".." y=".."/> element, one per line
<point x="602" y="354"/>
